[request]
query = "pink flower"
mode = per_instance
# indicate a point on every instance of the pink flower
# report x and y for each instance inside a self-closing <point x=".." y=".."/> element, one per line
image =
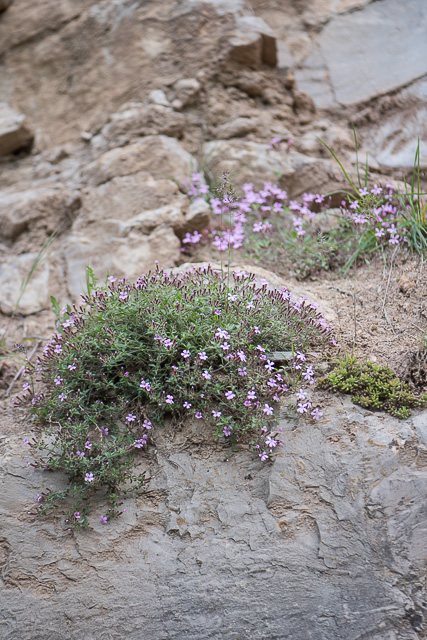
<point x="130" y="418"/>
<point x="316" y="414"/>
<point x="269" y="366"/>
<point x="263" y="455"/>
<point x="202" y="355"/>
<point x="89" y="477"/>
<point x="222" y="333"/>
<point x="242" y="356"/>
<point x="230" y="395"/>
<point x="169" y="400"/>
<point x="185" y="354"/>
<point x="77" y="515"/>
<point x="198" y="415"/>
<point x="147" y="424"/>
<point x="187" y="405"/>
<point x="243" y="371"/>
<point x="206" y="375"/>
<point x="58" y="380"/>
<point x="216" y="414"/>
<point x="88" y="445"/>
<point x="227" y="431"/>
<point x="267" y="410"/>
<point x="225" y="346"/>
<point x="103" y="519"/>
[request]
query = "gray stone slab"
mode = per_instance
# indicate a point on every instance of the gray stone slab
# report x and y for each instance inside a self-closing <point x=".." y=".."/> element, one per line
<point x="375" y="50"/>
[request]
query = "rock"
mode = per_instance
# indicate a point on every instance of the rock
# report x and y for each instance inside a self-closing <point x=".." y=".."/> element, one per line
<point x="14" y="133"/>
<point x="4" y="4"/>
<point x="197" y="217"/>
<point x="382" y="65"/>
<point x="14" y="274"/>
<point x="304" y="106"/>
<point x="136" y="120"/>
<point x="161" y="156"/>
<point x="237" y="128"/>
<point x="252" y="43"/>
<point x="158" y="97"/>
<point x="255" y="162"/>
<point x="50" y="208"/>
<point x="124" y="226"/>
<point x="129" y="254"/>
<point x="236" y="7"/>
<point x="187" y="91"/>
<point x="251" y="82"/>
<point x="330" y="536"/>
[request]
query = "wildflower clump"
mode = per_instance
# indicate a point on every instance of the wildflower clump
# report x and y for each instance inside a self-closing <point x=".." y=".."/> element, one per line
<point x="373" y="386"/>
<point x="136" y="356"/>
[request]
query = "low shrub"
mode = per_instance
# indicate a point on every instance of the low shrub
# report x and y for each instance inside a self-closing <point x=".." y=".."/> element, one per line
<point x="133" y="357"/>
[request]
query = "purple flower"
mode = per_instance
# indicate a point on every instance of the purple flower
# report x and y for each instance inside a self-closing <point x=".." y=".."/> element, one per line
<point x="103" y="519"/>
<point x="124" y="296"/>
<point x="58" y="348"/>
<point x="301" y="395"/>
<point x="260" y="348"/>
<point x="168" y="343"/>
<point x="376" y="190"/>
<point x="130" y="418"/>
<point x="147" y="424"/>
<point x="77" y="515"/>
<point x="62" y="397"/>
<point x="202" y="355"/>
<point x="111" y="279"/>
<point x="89" y="477"/>
<point x="267" y="410"/>
<point x="88" y="444"/>
<point x="198" y="415"/>
<point x="206" y="375"/>
<point x="243" y="371"/>
<point x="251" y="394"/>
<point x="72" y="367"/>
<point x="269" y="366"/>
<point x="263" y="455"/>
<point x="140" y="443"/>
<point x="242" y="356"/>
<point x="222" y="333"/>
<point x="316" y="414"/>
<point x="169" y="400"/>
<point x="58" y="380"/>
<point x="187" y="405"/>
<point x="104" y="431"/>
<point x="145" y="385"/>
<point x="270" y="442"/>
<point x="303" y="407"/>
<point x="25" y="441"/>
<point x="256" y="330"/>
<point x="230" y="395"/>
<point x="216" y="414"/>
<point x="227" y="431"/>
<point x="80" y="454"/>
<point x="185" y="354"/>
<point x="225" y="346"/>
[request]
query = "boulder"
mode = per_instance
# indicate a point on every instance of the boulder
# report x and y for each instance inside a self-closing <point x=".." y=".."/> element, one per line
<point x="237" y="128"/>
<point x="161" y="156"/>
<point x="14" y="133"/>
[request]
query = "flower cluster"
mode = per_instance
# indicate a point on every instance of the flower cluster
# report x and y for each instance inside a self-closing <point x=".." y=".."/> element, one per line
<point x="165" y="347"/>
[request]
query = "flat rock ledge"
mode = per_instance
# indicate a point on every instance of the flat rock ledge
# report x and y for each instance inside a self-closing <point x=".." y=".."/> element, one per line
<point x="326" y="542"/>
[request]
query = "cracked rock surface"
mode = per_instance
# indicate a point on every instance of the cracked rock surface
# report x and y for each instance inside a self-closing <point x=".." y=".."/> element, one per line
<point x="327" y="542"/>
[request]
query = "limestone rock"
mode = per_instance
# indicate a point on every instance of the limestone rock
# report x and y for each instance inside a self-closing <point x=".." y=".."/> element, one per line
<point x="137" y="119"/>
<point x="161" y="156"/>
<point x="158" y="97"/>
<point x="187" y="91"/>
<point x="13" y="275"/>
<point x="4" y="4"/>
<point x="47" y="207"/>
<point x="382" y="64"/>
<point x="237" y="128"/>
<point x="196" y="218"/>
<point x="253" y="43"/>
<point x="255" y="162"/>
<point x="119" y="249"/>
<point x="14" y="133"/>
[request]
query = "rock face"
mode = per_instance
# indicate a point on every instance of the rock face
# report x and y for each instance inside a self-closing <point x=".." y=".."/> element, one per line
<point x="14" y="134"/>
<point x="326" y="542"/>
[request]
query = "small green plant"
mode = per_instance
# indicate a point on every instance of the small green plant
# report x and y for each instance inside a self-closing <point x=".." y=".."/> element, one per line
<point x="143" y="355"/>
<point x="373" y="386"/>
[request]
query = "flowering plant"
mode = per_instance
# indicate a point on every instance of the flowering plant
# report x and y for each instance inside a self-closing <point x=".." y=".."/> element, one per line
<point x="165" y="347"/>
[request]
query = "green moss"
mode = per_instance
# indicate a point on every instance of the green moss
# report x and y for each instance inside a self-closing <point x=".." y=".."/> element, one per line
<point x="373" y="386"/>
